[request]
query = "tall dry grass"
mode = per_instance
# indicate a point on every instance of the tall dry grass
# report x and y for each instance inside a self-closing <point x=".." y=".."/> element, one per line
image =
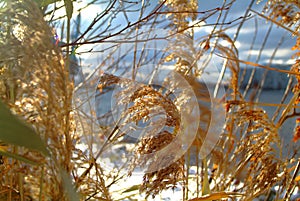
<point x="35" y="83"/>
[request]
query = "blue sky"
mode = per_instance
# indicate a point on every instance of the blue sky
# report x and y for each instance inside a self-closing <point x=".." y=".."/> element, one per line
<point x="245" y="40"/>
<point x="246" y="35"/>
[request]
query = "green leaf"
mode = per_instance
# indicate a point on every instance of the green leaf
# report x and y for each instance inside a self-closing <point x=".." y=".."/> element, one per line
<point x="205" y="182"/>
<point x="69" y="186"/>
<point x="69" y="8"/>
<point x="14" y="131"/>
<point x="132" y="188"/>
<point x="17" y="157"/>
<point x="43" y="3"/>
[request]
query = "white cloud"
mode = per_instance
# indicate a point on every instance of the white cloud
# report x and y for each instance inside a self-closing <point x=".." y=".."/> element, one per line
<point x="282" y="52"/>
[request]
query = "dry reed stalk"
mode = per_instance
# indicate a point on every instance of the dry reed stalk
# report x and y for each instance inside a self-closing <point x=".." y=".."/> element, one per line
<point x="35" y="84"/>
<point x="147" y="101"/>
<point x="41" y="95"/>
<point x="37" y="87"/>
<point x="161" y="179"/>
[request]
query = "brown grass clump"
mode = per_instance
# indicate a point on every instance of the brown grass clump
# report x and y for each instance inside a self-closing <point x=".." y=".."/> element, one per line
<point x="35" y="84"/>
<point x="157" y="179"/>
<point x="251" y="149"/>
<point x="37" y="88"/>
<point x="146" y="99"/>
<point x="142" y="103"/>
<point x="248" y="153"/>
<point x="285" y="13"/>
<point x="163" y="171"/>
